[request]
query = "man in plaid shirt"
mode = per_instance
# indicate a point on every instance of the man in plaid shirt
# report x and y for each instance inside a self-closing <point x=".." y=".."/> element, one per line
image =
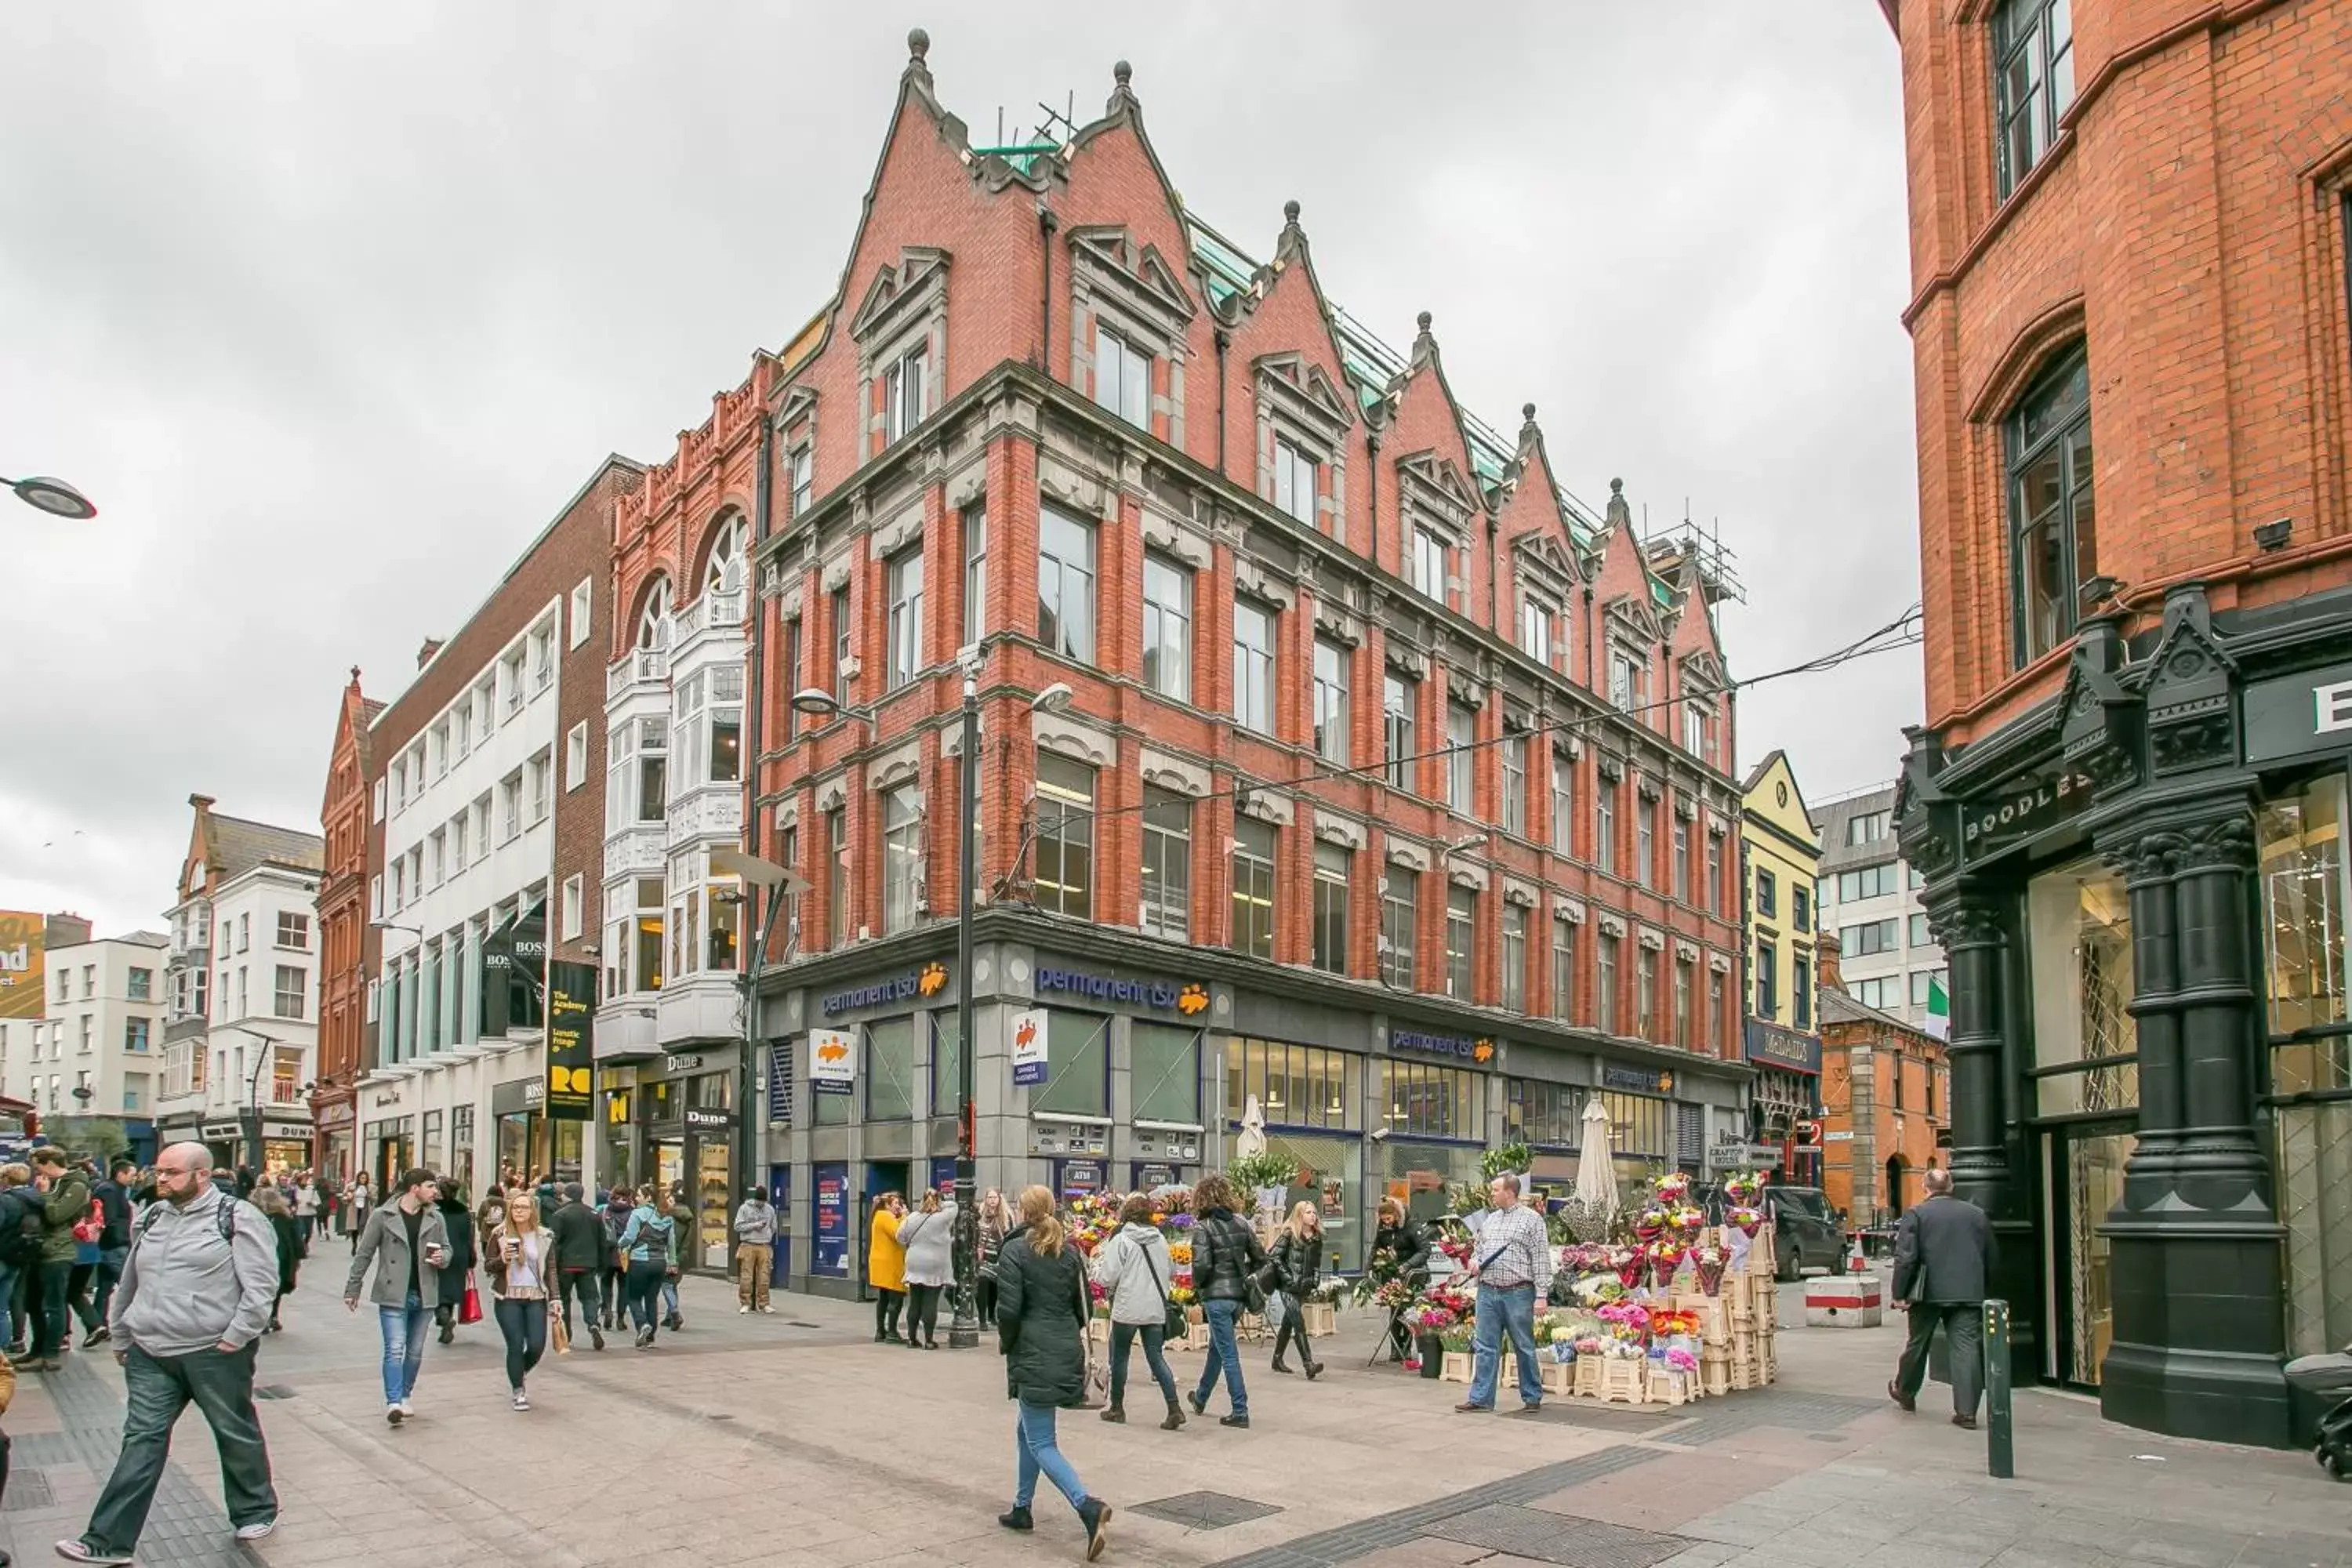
<point x="1511" y="1260"/>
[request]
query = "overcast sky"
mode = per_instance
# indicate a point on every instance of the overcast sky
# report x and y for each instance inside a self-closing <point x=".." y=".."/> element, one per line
<point x="330" y="307"/>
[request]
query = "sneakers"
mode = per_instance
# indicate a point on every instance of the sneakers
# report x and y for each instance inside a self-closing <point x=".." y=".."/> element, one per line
<point x="81" y="1551"/>
<point x="1015" y="1518"/>
<point x="645" y="1337"/>
<point x="522" y="1400"/>
<point x="393" y="1414"/>
<point x="100" y="1334"/>
<point x="1095" y="1514"/>
<point x="1200" y="1404"/>
<point x="408" y="1408"/>
<point x="260" y="1529"/>
<point x="743" y="1311"/>
<point x="771" y="1312"/>
<point x="595" y="1336"/>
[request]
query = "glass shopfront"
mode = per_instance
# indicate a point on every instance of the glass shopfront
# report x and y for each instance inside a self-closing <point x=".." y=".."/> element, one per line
<point x="1437" y="1121"/>
<point x="1311" y="1098"/>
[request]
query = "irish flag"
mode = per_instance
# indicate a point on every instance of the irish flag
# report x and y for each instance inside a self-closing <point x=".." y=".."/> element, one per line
<point x="1940" y="1009"/>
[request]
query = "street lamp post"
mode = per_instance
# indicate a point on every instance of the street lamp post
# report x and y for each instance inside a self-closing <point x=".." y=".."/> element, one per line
<point x="262" y="1059"/>
<point x="54" y="497"/>
<point x="963" y="1329"/>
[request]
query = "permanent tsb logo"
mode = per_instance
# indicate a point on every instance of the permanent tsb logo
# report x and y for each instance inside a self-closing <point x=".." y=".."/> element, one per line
<point x="1189" y="999"/>
<point x="1480" y="1051"/>
<point x="928" y="981"/>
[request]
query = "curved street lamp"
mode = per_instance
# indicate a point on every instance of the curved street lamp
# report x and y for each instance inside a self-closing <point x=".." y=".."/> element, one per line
<point x="54" y="497"/>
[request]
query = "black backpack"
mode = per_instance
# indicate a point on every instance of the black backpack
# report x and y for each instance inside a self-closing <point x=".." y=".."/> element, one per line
<point x="22" y="1224"/>
<point x="224" y="1216"/>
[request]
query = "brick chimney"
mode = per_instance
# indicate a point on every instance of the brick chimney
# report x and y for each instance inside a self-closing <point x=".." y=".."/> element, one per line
<point x="424" y="655"/>
<point x="1825" y="963"/>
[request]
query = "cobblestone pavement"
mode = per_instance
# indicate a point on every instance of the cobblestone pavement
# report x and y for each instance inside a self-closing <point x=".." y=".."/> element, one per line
<point x="795" y="1440"/>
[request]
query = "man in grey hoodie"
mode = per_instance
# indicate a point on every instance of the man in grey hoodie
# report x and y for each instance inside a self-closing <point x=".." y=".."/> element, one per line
<point x="185" y="1329"/>
<point x="755" y="1251"/>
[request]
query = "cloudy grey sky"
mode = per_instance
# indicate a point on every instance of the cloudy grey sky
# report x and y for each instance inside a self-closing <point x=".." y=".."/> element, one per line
<point x="330" y="306"/>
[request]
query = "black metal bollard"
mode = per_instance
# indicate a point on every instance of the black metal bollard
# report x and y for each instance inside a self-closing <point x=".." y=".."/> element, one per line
<point x="2000" y="1455"/>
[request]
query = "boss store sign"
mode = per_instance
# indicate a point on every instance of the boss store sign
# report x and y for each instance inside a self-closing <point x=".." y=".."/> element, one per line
<point x="2299" y="715"/>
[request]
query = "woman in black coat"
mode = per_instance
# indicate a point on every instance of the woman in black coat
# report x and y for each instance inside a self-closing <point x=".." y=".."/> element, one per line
<point x="272" y="1204"/>
<point x="457" y="1269"/>
<point x="1409" y="1240"/>
<point x="1041" y="1327"/>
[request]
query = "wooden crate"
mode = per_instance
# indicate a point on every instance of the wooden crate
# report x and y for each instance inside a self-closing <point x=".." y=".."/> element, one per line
<point x="1759" y="1253"/>
<point x="1664" y="1385"/>
<point x="1558" y="1376"/>
<point x="1455" y="1367"/>
<point x="1714" y="1376"/>
<point x="1713" y="1322"/>
<point x="1322" y="1319"/>
<point x="1624" y="1382"/>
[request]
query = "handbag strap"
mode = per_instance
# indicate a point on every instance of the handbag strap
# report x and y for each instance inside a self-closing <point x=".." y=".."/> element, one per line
<point x="1153" y="1275"/>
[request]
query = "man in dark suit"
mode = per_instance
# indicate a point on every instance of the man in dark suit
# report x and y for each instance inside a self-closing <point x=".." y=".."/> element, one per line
<point x="1943" y="1256"/>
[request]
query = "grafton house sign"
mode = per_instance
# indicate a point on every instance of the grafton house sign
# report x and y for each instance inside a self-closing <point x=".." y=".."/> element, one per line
<point x="2038" y="800"/>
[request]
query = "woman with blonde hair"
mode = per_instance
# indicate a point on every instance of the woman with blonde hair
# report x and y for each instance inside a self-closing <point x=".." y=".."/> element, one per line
<point x="1041" y="1322"/>
<point x="994" y="1224"/>
<point x="519" y="1256"/>
<point x="1295" y="1263"/>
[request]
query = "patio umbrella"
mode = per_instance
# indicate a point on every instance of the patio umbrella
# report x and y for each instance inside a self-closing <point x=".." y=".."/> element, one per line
<point x="1596" y="1172"/>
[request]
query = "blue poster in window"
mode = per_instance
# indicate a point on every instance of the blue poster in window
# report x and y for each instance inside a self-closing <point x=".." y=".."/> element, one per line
<point x="944" y="1174"/>
<point x="831" y="1255"/>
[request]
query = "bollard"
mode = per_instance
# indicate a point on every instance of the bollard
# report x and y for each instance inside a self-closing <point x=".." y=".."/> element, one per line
<point x="1999" y="1457"/>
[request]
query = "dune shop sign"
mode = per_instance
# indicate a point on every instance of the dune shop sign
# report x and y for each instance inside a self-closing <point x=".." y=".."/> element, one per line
<point x="928" y="981"/>
<point x="571" y="1041"/>
<point x="1480" y="1051"/>
<point x="2025" y="807"/>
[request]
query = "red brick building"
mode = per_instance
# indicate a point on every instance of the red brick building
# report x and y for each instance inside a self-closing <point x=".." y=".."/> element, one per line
<point x="1336" y="763"/>
<point x="2128" y="224"/>
<point x="1887" y="1104"/>
<point x="348" y="945"/>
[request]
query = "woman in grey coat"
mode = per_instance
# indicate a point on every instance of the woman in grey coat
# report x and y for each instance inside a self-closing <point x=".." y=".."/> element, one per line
<point x="929" y="1237"/>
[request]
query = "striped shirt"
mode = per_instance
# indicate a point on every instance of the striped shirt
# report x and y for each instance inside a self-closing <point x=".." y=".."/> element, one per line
<point x="1513" y="1248"/>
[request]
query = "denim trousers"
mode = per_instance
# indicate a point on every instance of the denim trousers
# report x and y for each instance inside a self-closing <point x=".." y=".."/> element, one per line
<point x="1122" y="1339"/>
<point x="110" y="1274"/>
<point x="644" y="1289"/>
<point x="1223" y="1353"/>
<point x="523" y="1325"/>
<point x="156" y="1389"/>
<point x="403" y="1328"/>
<point x="1033" y="1433"/>
<point x="1512" y="1307"/>
<point x="51" y="1291"/>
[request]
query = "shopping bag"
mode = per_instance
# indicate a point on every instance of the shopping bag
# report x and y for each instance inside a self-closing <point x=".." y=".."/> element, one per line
<point x="560" y="1336"/>
<point x="470" y="1311"/>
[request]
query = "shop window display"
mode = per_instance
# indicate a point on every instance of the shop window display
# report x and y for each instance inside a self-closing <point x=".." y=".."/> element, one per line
<point x="2078" y="923"/>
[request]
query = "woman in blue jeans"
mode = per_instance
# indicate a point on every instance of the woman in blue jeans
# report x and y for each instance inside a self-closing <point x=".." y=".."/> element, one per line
<point x="1226" y="1257"/>
<point x="408" y="1244"/>
<point x="646" y="1240"/>
<point x="1041" y="1320"/>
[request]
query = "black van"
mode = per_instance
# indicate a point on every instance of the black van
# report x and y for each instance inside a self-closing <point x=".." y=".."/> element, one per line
<point x="1805" y="1234"/>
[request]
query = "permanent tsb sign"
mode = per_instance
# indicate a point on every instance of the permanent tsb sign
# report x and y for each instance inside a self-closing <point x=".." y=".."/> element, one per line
<point x="1480" y="1051"/>
<point x="928" y="981"/>
<point x="1188" y="999"/>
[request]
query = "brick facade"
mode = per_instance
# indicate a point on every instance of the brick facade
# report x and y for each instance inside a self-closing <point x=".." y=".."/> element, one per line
<point x="2187" y="226"/>
<point x="348" y="946"/>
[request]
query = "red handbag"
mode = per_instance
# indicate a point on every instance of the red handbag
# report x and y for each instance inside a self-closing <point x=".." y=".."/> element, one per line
<point x="470" y="1311"/>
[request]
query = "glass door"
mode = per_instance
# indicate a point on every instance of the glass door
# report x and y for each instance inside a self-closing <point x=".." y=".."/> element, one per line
<point x="2083" y="1180"/>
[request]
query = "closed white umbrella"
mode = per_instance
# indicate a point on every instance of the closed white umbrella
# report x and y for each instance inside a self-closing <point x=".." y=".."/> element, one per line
<point x="1596" y="1172"/>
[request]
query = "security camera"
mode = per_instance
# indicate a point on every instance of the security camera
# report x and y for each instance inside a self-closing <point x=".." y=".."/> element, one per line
<point x="1378" y="1135"/>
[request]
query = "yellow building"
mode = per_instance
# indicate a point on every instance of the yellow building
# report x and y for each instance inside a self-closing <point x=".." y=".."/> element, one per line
<point x="1779" y="860"/>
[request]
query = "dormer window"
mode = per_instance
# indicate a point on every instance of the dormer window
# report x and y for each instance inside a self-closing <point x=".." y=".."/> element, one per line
<point x="1294" y="481"/>
<point x="1629" y="681"/>
<point x="1429" y="556"/>
<point x="1122" y="377"/>
<point x="1535" y="628"/>
<point x="906" y="388"/>
<point x="1699" y="731"/>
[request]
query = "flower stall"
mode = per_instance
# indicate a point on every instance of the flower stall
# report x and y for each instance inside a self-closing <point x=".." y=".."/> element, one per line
<point x="1676" y="1308"/>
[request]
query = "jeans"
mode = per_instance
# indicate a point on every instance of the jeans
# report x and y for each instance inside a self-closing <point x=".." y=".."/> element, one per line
<point x="50" y="1323"/>
<point x="156" y="1389"/>
<point x="304" y="1224"/>
<point x="403" y="1346"/>
<point x="923" y="1311"/>
<point x="887" y="1307"/>
<point x="1033" y="1434"/>
<point x="613" y="1294"/>
<point x="1515" y="1306"/>
<point x="1223" y="1353"/>
<point x="755" y="1261"/>
<point x="110" y="1274"/>
<point x="644" y="1288"/>
<point x="524" y="1324"/>
<point x="1963" y="1323"/>
<point x="1122" y="1339"/>
<point x="580" y="1283"/>
<point x="670" y="1314"/>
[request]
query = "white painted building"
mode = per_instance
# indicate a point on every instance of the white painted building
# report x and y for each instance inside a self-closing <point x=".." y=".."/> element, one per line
<point x="103" y="1033"/>
<point x="466" y="810"/>
<point x="1869" y="900"/>
<point x="241" y="992"/>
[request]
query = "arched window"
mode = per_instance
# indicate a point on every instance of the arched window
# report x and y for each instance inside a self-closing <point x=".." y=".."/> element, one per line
<point x="653" y="620"/>
<point x="731" y="555"/>
<point x="2053" y="532"/>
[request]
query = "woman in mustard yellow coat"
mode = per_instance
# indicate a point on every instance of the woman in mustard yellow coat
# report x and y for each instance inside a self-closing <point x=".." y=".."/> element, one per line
<point x="886" y="1267"/>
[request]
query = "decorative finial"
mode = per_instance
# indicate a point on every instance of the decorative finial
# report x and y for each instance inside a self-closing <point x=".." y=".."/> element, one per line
<point x="1290" y="211"/>
<point x="1423" y="320"/>
<point x="355" y="675"/>
<point x="1120" y="71"/>
<point x="1616" y="487"/>
<point x="1527" y="412"/>
<point x="919" y="44"/>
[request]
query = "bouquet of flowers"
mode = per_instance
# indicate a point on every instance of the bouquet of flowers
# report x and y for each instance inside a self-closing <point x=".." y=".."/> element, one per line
<point x="1455" y="1338"/>
<point x="1182" y="1295"/>
<point x="1743" y="1188"/>
<point x="1098" y="1298"/>
<point x="1595" y="1288"/>
<point x="1690" y="1220"/>
<point x="1710" y="1260"/>
<point x="1626" y="1321"/>
<point x="1391" y="1294"/>
<point x="1431" y="1318"/>
<point x="1092" y="1217"/>
<point x="1588" y="1257"/>
<point x="1650" y="1223"/>
<point x="1380" y="1272"/>
<point x="1680" y="1359"/>
<point x="1749" y="1220"/>
<point x="1665" y="1257"/>
<point x="1673" y="1324"/>
<point x="1456" y="1247"/>
<point x="1672" y="1188"/>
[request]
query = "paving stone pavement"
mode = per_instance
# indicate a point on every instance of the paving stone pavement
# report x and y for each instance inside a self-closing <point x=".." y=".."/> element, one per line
<point x="795" y="1440"/>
